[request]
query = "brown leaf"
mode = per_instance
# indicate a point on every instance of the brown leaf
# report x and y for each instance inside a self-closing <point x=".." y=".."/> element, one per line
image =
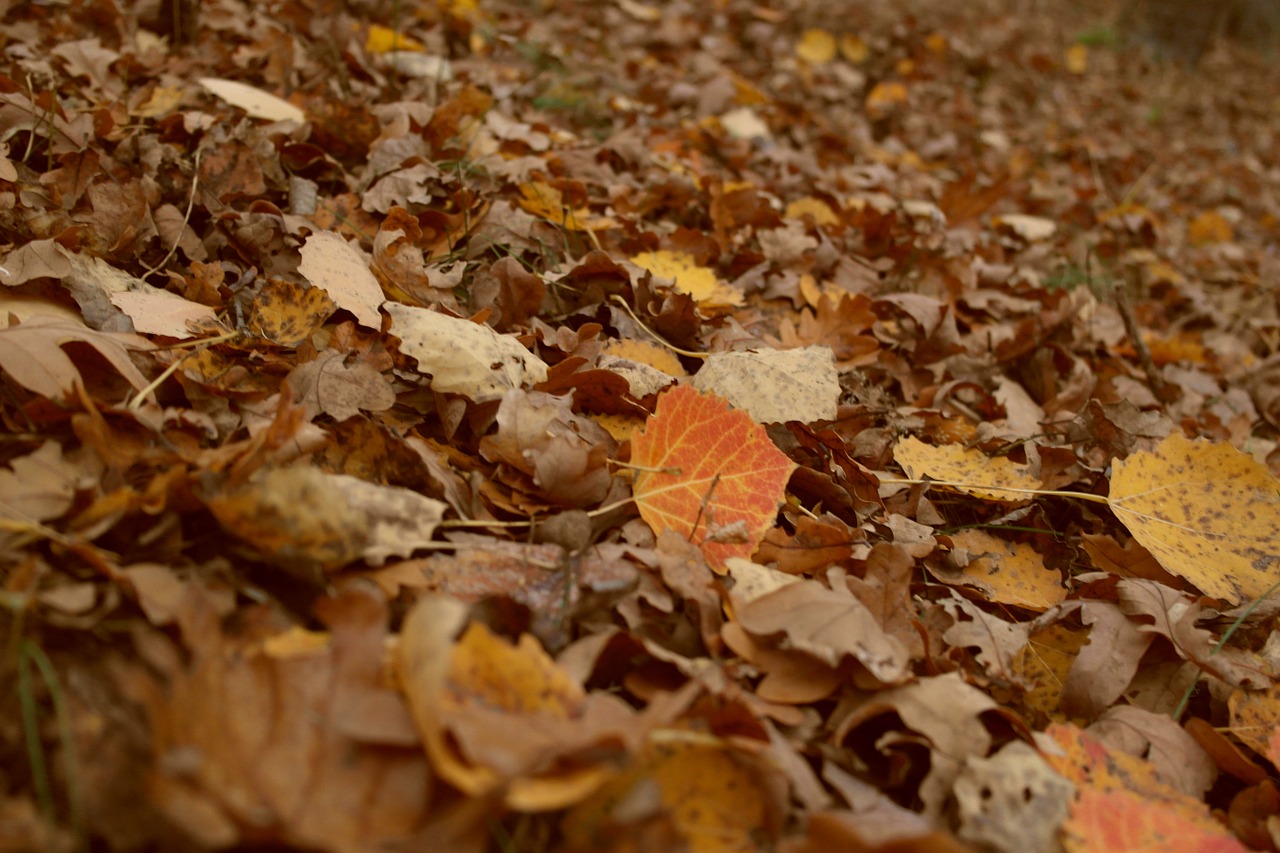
<point x="252" y="742"/>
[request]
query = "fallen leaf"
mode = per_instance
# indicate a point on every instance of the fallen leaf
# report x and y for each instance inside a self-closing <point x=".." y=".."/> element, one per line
<point x="966" y="469"/>
<point x="302" y="518"/>
<point x="708" y="472"/>
<point x="462" y="357"/>
<point x="31" y="353"/>
<point x="254" y="101"/>
<point x="774" y="386"/>
<point x="1206" y="511"/>
<point x="331" y="264"/>
<point x="468" y="690"/>
<point x="688" y="277"/>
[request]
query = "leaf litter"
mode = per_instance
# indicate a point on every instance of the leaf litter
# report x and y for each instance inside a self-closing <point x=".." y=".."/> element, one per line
<point x="634" y="426"/>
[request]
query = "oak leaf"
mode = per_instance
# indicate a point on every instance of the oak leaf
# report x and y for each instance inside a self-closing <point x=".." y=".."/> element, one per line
<point x="708" y="472"/>
<point x="31" y="353"/>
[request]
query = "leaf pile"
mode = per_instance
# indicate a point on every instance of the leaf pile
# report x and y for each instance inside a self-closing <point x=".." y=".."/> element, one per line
<point x="623" y="426"/>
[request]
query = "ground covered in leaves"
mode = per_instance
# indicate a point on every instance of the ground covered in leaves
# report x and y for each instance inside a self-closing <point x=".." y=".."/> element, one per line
<point x="621" y="426"/>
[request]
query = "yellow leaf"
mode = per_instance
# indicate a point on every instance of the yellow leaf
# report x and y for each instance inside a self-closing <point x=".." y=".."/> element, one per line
<point x="1010" y="572"/>
<point x="887" y="96"/>
<point x="697" y="281"/>
<point x="1209" y="227"/>
<point x="544" y="200"/>
<point x="1078" y="58"/>
<point x="854" y="49"/>
<point x="817" y="47"/>
<point x="967" y="470"/>
<point x="653" y="355"/>
<point x="384" y="40"/>
<point x="710" y="796"/>
<point x="1206" y="511"/>
<point x="817" y="208"/>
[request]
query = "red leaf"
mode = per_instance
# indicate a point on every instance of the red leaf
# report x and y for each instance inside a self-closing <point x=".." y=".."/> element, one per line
<point x="708" y="472"/>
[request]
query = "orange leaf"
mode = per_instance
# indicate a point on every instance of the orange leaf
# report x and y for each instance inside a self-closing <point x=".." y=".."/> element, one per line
<point x="709" y="473"/>
<point x="1104" y="821"/>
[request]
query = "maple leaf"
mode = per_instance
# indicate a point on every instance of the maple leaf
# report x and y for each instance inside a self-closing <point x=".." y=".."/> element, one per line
<point x="705" y="470"/>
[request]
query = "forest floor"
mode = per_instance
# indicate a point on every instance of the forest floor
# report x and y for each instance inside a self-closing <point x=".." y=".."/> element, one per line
<point x="630" y="426"/>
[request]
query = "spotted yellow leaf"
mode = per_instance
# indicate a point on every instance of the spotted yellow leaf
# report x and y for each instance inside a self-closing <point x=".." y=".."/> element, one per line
<point x="967" y="470"/>
<point x="1206" y="511"/>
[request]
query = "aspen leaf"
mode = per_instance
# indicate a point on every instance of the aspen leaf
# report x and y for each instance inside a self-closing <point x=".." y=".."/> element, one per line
<point x="1009" y="572"/>
<point x="817" y="47"/>
<point x="385" y="40"/>
<point x="965" y="469"/>
<point x="1206" y="511"/>
<point x="709" y="473"/>
<point x="1122" y="821"/>
<point x="711" y="797"/>
<point x="698" y="281"/>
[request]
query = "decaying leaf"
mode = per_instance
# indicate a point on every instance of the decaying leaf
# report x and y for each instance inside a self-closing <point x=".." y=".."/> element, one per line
<point x="462" y="357"/>
<point x="304" y="519"/>
<point x="253" y="101"/>
<point x="332" y="265"/>
<point x="774" y="386"/>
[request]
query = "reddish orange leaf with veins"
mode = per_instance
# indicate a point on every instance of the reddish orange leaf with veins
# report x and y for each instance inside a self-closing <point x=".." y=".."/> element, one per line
<point x="708" y="472"/>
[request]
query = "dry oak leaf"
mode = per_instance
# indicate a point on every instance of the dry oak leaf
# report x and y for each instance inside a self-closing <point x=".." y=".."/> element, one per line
<point x="943" y="710"/>
<point x="331" y="264"/>
<point x="827" y="624"/>
<point x="463" y="357"/>
<point x="966" y="470"/>
<point x="775" y="386"/>
<point x="502" y="718"/>
<point x="331" y="386"/>
<point x="31" y="353"/>
<point x="709" y="473"/>
<point x="40" y="486"/>
<point x="1206" y="511"/>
